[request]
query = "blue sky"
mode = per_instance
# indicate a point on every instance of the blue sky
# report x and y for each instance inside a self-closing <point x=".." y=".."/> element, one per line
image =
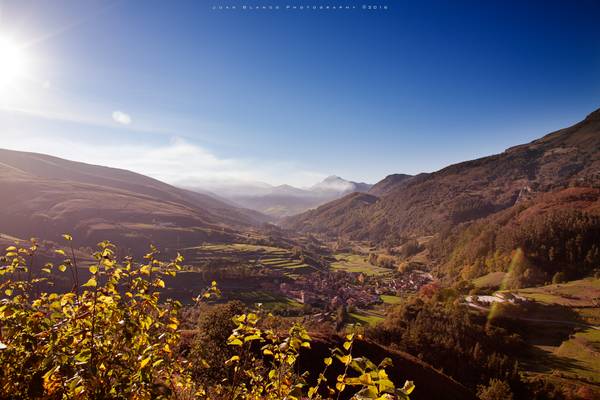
<point x="205" y="97"/>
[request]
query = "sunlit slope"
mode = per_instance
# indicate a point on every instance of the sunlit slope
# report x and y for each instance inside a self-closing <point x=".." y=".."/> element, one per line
<point x="427" y="203"/>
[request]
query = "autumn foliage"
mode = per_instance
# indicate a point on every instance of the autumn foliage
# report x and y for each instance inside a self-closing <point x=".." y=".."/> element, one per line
<point x="114" y="337"/>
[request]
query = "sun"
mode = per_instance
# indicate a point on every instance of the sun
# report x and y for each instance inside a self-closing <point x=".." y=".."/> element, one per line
<point x="13" y="62"/>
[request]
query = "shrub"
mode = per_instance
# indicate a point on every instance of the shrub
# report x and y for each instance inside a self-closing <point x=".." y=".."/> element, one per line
<point x="496" y="390"/>
<point x="113" y="337"/>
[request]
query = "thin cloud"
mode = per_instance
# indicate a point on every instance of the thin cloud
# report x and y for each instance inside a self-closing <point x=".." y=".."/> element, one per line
<point x="178" y="161"/>
<point x="121" y="117"/>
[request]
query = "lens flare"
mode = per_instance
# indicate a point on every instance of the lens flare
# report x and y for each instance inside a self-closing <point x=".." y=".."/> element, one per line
<point x="517" y="259"/>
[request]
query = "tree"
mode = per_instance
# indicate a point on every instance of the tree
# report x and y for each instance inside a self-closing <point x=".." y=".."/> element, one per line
<point x="559" y="277"/>
<point x="496" y="390"/>
<point x="213" y="327"/>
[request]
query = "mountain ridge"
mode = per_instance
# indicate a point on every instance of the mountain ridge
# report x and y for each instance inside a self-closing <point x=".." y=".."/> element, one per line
<point x="285" y="200"/>
<point x="427" y="203"/>
<point x="46" y="196"/>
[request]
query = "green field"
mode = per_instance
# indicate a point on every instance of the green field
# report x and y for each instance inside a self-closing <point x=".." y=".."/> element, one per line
<point x="491" y="280"/>
<point x="239" y="247"/>
<point x="268" y="300"/>
<point x="580" y="293"/>
<point x="388" y="299"/>
<point x="570" y="347"/>
<point x="248" y="254"/>
<point x="356" y="263"/>
<point x="368" y="318"/>
<point x="584" y="349"/>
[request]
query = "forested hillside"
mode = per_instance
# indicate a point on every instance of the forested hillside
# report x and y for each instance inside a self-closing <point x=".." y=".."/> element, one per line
<point x="429" y="203"/>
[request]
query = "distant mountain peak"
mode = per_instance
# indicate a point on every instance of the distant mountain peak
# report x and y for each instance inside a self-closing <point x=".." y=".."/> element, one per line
<point x="336" y="184"/>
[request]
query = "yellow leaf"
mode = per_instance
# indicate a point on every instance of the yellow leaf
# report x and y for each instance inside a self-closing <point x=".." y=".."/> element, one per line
<point x="61" y="252"/>
<point x="144" y="362"/>
<point x="93" y="269"/>
<point x="11" y="248"/>
<point x="409" y="386"/>
<point x="347" y="345"/>
<point x="92" y="282"/>
<point x="157" y="363"/>
<point x="8" y="292"/>
<point x="232" y="359"/>
<point x="267" y="352"/>
<point x="62" y="267"/>
<point x="328" y="361"/>
<point x="68" y="237"/>
<point x="160" y="283"/>
<point x="345" y="359"/>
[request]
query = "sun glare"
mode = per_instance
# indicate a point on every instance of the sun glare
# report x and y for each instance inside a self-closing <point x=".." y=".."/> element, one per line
<point x="13" y="62"/>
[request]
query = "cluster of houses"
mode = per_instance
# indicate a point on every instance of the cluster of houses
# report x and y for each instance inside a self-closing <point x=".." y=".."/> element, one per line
<point x="330" y="290"/>
<point x="408" y="282"/>
<point x="483" y="302"/>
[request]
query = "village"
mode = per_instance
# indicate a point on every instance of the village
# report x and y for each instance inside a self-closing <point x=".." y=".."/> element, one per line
<point x="333" y="289"/>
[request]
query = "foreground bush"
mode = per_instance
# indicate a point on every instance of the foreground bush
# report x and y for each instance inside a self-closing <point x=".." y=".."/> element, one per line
<point x="113" y="337"/>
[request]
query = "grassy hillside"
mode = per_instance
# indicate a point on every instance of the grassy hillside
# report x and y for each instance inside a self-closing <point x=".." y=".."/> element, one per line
<point x="562" y="323"/>
<point x="46" y="196"/>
